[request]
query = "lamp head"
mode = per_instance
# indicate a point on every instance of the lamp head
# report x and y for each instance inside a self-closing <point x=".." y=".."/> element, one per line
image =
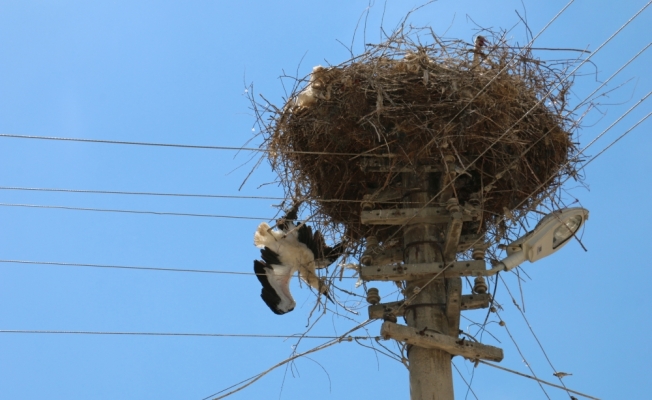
<point x="551" y="234"/>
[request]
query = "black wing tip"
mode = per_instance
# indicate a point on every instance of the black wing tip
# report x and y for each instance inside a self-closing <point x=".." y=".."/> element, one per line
<point x="268" y="294"/>
<point x="291" y="215"/>
<point x="269" y="256"/>
<point x="272" y="300"/>
<point x="333" y="253"/>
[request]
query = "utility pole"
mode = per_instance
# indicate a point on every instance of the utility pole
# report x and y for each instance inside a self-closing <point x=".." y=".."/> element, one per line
<point x="427" y="263"/>
<point x="431" y="375"/>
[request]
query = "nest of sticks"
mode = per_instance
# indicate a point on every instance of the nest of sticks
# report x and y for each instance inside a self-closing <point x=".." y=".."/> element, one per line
<point x="490" y="114"/>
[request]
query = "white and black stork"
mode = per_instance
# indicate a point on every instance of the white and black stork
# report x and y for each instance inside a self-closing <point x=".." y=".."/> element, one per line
<point x="286" y="250"/>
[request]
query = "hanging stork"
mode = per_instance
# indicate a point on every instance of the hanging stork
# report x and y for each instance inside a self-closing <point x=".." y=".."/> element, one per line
<point x="286" y="250"/>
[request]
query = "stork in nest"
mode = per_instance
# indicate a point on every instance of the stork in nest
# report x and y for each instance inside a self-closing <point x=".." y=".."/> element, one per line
<point x="286" y="250"/>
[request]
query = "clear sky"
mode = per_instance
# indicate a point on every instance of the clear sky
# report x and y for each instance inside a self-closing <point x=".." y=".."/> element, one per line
<point x="175" y="72"/>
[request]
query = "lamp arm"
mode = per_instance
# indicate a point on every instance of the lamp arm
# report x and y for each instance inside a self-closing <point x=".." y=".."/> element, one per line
<point x="512" y="261"/>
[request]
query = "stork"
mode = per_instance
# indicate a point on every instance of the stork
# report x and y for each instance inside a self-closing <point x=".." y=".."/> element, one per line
<point x="286" y="250"/>
<point x="478" y="55"/>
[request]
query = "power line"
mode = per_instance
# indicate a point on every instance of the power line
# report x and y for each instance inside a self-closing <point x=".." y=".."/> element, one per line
<point x="249" y="381"/>
<point x="616" y="140"/>
<point x="468" y="385"/>
<point x="183" y="146"/>
<point x="67" y="264"/>
<point x="123" y="192"/>
<point x="168" y="194"/>
<point x="134" y="211"/>
<point x="537" y="379"/>
<point x="554" y="370"/>
<point x="622" y="67"/>
<point x="224" y="335"/>
<point x="503" y="324"/>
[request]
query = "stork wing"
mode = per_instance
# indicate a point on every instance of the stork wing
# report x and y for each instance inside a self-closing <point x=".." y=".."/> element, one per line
<point x="324" y="255"/>
<point x="276" y="286"/>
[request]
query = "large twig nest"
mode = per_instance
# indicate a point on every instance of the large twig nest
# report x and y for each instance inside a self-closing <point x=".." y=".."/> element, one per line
<point x="498" y="113"/>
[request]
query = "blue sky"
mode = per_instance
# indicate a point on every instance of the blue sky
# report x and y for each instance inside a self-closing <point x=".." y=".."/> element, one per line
<point x="175" y="72"/>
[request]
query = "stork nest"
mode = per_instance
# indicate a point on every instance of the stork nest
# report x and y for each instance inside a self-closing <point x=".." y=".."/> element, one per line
<point x="490" y="115"/>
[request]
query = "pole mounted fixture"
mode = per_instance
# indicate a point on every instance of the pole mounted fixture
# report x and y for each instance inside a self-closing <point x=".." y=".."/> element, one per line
<point x="551" y="234"/>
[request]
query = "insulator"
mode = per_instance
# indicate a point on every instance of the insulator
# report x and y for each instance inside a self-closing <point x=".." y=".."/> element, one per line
<point x="390" y="317"/>
<point x="373" y="297"/>
<point x="478" y="253"/>
<point x="368" y="255"/>
<point x="452" y="205"/>
<point x="367" y="204"/>
<point x="480" y="285"/>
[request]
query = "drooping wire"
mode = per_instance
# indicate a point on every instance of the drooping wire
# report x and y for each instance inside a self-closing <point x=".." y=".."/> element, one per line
<point x="538" y="380"/>
<point x="249" y="381"/>
<point x="504" y="324"/>
<point x="554" y="370"/>
<point x="468" y="385"/>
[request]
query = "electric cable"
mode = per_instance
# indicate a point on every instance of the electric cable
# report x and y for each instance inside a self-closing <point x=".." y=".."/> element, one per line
<point x="182" y="334"/>
<point x="503" y="324"/>
<point x="133" y="211"/>
<point x="69" y="264"/>
<point x="554" y="370"/>
<point x="183" y="146"/>
<point x="538" y="380"/>
<point x="168" y="194"/>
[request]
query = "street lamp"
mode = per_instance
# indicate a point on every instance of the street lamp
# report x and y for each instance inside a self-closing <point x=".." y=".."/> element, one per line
<point x="550" y="235"/>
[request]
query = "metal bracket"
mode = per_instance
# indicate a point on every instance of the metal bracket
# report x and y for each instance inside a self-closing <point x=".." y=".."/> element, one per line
<point x="467" y="302"/>
<point x="453" y="236"/>
<point x="378" y="311"/>
<point x="383" y="256"/>
<point x="469" y="241"/>
<point x="475" y="301"/>
<point x="406" y="272"/>
<point x="453" y="304"/>
<point x="429" y="215"/>
<point x="432" y="340"/>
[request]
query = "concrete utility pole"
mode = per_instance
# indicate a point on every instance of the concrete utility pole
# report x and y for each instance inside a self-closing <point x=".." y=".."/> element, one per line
<point x="426" y="262"/>
<point x="431" y="375"/>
